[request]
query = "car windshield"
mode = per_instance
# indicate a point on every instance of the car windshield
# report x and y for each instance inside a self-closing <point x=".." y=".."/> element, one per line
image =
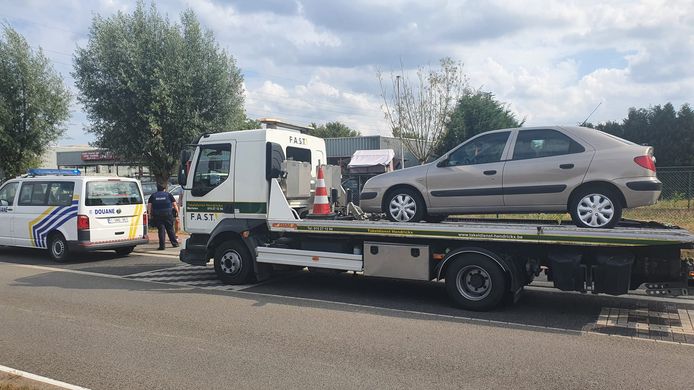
<point x="112" y="192"/>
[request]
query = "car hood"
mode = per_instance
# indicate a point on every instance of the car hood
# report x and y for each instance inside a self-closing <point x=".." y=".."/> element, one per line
<point x="407" y="175"/>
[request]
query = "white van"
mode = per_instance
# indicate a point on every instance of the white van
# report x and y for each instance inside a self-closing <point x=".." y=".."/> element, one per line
<point x="67" y="213"/>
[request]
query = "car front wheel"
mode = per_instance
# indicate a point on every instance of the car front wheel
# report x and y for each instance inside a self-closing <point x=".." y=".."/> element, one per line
<point x="404" y="205"/>
<point x="596" y="208"/>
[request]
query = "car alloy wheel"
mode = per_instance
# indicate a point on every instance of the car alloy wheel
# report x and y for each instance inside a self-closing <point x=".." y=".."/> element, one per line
<point x="595" y="210"/>
<point x="402" y="207"/>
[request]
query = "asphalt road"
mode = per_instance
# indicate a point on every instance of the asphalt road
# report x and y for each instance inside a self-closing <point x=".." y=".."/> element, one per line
<point x="96" y="323"/>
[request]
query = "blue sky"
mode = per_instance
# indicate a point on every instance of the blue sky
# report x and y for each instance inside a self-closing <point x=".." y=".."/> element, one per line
<point x="316" y="61"/>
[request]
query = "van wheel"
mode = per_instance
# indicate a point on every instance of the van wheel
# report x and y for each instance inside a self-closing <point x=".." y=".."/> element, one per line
<point x="57" y="248"/>
<point x="475" y="282"/>
<point x="125" y="251"/>
<point x="404" y="205"/>
<point x="232" y="263"/>
<point x="595" y="208"/>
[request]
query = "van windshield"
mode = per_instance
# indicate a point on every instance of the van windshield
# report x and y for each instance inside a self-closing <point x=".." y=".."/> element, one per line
<point x="112" y="193"/>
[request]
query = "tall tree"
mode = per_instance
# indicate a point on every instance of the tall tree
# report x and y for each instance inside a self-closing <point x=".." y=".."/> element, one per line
<point x="476" y="112"/>
<point x="332" y="130"/>
<point x="150" y="86"/>
<point x="419" y="110"/>
<point x="670" y="132"/>
<point x="33" y="104"/>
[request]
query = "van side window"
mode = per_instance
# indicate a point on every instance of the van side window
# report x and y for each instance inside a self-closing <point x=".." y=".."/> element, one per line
<point x="7" y="194"/>
<point x="60" y="193"/>
<point x="212" y="168"/>
<point x="33" y="194"/>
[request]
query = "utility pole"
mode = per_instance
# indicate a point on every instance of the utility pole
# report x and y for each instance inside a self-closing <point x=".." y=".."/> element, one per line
<point x="402" y="150"/>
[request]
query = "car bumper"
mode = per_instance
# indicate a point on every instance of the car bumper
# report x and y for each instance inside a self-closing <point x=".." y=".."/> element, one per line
<point x="81" y="246"/>
<point x="370" y="200"/>
<point x="640" y="191"/>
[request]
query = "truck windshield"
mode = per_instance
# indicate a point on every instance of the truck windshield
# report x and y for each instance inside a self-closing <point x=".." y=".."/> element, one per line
<point x="112" y="193"/>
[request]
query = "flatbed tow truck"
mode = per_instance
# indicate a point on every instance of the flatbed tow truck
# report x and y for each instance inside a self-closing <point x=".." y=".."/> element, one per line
<point x="246" y="200"/>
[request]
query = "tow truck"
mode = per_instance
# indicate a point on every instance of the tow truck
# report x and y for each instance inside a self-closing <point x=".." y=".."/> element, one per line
<point x="247" y="201"/>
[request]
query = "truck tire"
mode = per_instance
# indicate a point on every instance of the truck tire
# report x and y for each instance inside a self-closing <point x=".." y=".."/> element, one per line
<point x="57" y="248"/>
<point x="232" y="263"/>
<point x="595" y="207"/>
<point x="404" y="205"/>
<point x="475" y="282"/>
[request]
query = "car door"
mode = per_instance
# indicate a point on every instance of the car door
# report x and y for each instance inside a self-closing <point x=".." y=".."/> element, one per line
<point x="32" y="214"/>
<point x="7" y="205"/>
<point x="545" y="166"/>
<point x="470" y="178"/>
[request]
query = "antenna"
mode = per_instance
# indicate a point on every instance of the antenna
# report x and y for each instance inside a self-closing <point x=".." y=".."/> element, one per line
<point x="591" y="113"/>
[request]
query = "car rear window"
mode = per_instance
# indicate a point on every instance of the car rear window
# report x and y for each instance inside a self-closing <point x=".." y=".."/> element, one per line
<point x="112" y="193"/>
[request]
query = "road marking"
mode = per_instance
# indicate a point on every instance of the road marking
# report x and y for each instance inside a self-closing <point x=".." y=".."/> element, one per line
<point x="155" y="254"/>
<point x="39" y="378"/>
<point x="241" y="289"/>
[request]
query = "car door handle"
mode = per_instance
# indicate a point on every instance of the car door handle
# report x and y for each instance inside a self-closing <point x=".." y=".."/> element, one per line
<point x="566" y="166"/>
<point x="490" y="173"/>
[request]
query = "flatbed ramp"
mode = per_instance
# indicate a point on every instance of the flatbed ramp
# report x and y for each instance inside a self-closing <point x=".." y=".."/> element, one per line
<point x="491" y="231"/>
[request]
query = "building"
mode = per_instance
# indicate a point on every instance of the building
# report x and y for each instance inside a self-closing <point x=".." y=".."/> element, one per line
<point x="92" y="161"/>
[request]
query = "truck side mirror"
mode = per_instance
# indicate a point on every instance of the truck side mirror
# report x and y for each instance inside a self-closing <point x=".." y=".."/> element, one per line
<point x="184" y="167"/>
<point x="274" y="157"/>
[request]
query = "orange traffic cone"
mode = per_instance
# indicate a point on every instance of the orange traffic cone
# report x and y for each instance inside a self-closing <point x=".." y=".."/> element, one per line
<point x="321" y="206"/>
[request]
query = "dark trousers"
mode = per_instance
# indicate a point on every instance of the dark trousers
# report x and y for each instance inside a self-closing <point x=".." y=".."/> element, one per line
<point x="164" y="223"/>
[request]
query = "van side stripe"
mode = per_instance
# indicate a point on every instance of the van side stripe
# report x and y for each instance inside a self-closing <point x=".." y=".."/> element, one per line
<point x="32" y="223"/>
<point x="40" y="233"/>
<point x="45" y="222"/>
<point x="66" y="217"/>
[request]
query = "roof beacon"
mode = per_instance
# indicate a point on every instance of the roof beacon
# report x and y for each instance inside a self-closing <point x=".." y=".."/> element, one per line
<point x="57" y="172"/>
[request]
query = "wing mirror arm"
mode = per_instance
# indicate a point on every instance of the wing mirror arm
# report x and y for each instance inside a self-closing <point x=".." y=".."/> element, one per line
<point x="443" y="163"/>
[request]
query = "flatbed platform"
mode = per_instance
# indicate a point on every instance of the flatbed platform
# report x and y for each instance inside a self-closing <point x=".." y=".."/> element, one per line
<point x="530" y="233"/>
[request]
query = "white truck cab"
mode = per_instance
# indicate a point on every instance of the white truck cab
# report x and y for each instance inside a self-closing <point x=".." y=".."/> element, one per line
<point x="64" y="212"/>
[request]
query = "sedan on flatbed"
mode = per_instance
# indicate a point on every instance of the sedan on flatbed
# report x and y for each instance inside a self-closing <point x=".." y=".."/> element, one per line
<point x="591" y="174"/>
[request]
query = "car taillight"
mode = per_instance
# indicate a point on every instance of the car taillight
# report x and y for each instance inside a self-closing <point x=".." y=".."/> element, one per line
<point x="646" y="162"/>
<point x="145" y="219"/>
<point x="82" y="222"/>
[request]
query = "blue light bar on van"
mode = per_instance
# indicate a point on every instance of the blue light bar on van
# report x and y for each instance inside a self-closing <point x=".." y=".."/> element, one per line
<point x="58" y="172"/>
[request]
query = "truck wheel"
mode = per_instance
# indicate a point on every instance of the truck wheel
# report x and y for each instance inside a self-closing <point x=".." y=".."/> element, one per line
<point x="595" y="208"/>
<point x="125" y="251"/>
<point x="57" y="248"/>
<point x="233" y="263"/>
<point x="475" y="282"/>
<point x="404" y="205"/>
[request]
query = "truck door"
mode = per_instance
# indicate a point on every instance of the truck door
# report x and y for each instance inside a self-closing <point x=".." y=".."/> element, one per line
<point x="212" y="191"/>
<point x="7" y="203"/>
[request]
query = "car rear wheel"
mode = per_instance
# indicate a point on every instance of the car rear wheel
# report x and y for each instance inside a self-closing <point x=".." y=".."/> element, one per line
<point x="596" y="208"/>
<point x="404" y="205"/>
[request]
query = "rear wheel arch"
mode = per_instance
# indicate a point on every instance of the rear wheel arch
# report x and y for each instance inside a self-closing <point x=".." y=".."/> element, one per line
<point x="597" y="185"/>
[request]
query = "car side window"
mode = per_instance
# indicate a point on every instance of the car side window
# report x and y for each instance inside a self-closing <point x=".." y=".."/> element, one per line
<point x="7" y="194"/>
<point x="544" y="143"/>
<point x="33" y="194"/>
<point x="481" y="150"/>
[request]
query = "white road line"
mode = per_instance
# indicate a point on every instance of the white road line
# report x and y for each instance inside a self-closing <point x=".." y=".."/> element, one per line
<point x="38" y="378"/>
<point x="360" y="306"/>
<point x="154" y="254"/>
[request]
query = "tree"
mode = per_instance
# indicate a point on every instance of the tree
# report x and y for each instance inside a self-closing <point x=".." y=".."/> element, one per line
<point x="419" y="110"/>
<point x="150" y="86"/>
<point x="332" y="130"/>
<point x="670" y="132"/>
<point x="33" y="104"/>
<point x="476" y="112"/>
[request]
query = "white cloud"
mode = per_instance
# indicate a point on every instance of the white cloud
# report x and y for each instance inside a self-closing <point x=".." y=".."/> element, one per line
<point x="314" y="61"/>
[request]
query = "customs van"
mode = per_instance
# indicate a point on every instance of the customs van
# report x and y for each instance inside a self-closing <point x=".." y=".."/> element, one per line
<point x="64" y="213"/>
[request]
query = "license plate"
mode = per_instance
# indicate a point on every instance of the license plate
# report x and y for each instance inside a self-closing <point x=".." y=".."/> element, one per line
<point x="118" y="220"/>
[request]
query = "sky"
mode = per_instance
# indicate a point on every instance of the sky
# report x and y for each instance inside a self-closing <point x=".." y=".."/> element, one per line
<point x="308" y="61"/>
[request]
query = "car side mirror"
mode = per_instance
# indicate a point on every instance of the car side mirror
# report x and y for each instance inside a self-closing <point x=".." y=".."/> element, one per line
<point x="443" y="163"/>
<point x="3" y="202"/>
